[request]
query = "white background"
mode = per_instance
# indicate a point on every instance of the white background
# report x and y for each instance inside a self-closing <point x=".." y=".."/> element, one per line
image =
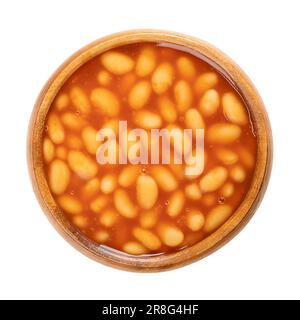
<point x="263" y="261"/>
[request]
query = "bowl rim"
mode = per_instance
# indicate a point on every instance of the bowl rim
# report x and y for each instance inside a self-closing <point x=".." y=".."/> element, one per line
<point x="209" y="244"/>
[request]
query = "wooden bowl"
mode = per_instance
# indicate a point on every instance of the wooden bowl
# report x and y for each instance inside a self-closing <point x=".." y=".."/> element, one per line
<point x="214" y="241"/>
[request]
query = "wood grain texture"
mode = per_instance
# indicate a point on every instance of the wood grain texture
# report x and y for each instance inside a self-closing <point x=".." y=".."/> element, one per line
<point x="205" y="247"/>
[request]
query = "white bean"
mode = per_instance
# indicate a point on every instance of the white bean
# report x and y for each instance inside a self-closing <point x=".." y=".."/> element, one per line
<point x="164" y="178"/>
<point x="167" y="109"/>
<point x="193" y="192"/>
<point x="70" y="204"/>
<point x="216" y="217"/>
<point x="59" y="176"/>
<point x="148" y="219"/>
<point x="205" y="82"/>
<point x="72" y="121"/>
<point x="147" y="238"/>
<point x="227" y="190"/>
<point x="112" y="124"/>
<point x="80" y="100"/>
<point x="170" y="235"/>
<point x="237" y="174"/>
<point x="146" y="62"/>
<point x="147" y="119"/>
<point x="55" y="129"/>
<point x="104" y="78"/>
<point x="227" y="156"/>
<point x="108" y="217"/>
<point x="139" y="94"/>
<point x="80" y="221"/>
<point x="124" y="205"/>
<point x="91" y="188"/>
<point x="48" y="150"/>
<point x="101" y="236"/>
<point x="108" y="183"/>
<point x="82" y="165"/>
<point x="176" y="203"/>
<point x="246" y="157"/>
<point x="183" y="96"/>
<point x="233" y="109"/>
<point x="214" y="179"/>
<point x="193" y="119"/>
<point x="117" y="63"/>
<point x="195" y="220"/>
<point x="147" y="191"/>
<point x="98" y="204"/>
<point x="61" y="101"/>
<point x="128" y="175"/>
<point x="162" y="78"/>
<point x="209" y="102"/>
<point x="105" y="101"/>
<point x="134" y="247"/>
<point x="223" y="133"/>
<point x="89" y="135"/>
<point x="186" y="68"/>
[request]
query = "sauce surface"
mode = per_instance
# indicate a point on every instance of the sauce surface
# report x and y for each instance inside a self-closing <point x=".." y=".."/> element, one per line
<point x="147" y="208"/>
